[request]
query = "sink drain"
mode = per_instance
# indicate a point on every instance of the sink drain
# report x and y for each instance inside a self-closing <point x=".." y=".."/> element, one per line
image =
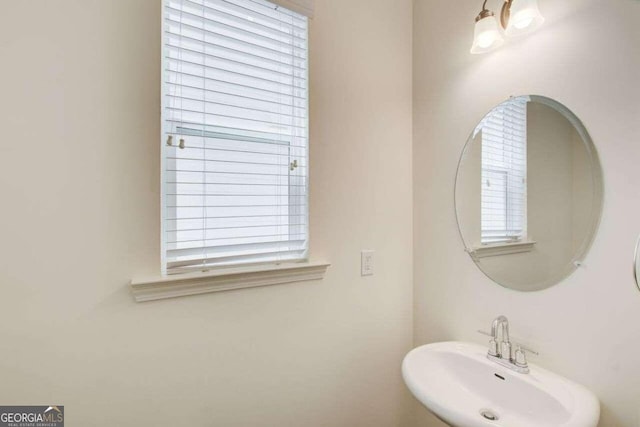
<point x="489" y="415"/>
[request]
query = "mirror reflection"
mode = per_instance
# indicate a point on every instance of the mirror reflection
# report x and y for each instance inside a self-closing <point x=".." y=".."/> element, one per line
<point x="528" y="193"/>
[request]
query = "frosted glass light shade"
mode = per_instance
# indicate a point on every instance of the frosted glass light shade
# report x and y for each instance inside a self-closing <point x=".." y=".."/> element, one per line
<point x="525" y="18"/>
<point x="487" y="35"/>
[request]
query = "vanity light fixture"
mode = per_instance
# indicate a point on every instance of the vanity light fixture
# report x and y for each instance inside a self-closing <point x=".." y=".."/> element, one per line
<point x="518" y="17"/>
<point x="487" y="36"/>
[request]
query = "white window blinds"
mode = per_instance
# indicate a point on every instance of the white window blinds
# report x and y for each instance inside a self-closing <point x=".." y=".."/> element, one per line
<point x="234" y="134"/>
<point x="504" y="172"/>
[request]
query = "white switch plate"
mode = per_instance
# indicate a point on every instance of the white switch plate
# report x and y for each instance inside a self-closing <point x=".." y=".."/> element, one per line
<point x="366" y="263"/>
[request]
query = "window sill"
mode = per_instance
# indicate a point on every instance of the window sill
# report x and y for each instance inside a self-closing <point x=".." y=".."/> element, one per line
<point x="179" y="285"/>
<point x="498" y="249"/>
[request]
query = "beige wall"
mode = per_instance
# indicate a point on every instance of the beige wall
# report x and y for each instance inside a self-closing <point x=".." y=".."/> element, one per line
<point x="586" y="56"/>
<point x="79" y="166"/>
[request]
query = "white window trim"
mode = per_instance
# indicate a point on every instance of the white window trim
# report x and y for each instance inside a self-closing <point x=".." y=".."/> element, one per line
<point x="180" y="285"/>
<point x="498" y="249"/>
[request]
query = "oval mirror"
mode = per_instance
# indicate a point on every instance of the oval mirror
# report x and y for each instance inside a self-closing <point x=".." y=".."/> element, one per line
<point x="636" y="264"/>
<point x="528" y="193"/>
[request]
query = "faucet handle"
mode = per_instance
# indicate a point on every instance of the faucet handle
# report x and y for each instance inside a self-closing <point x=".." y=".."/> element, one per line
<point x="520" y="356"/>
<point x="525" y="348"/>
<point x="493" y="344"/>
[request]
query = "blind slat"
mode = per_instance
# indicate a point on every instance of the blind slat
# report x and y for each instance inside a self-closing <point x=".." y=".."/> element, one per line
<point x="260" y="20"/>
<point x="228" y="20"/>
<point x="254" y="57"/>
<point x="292" y="122"/>
<point x="281" y="138"/>
<point x="194" y="79"/>
<point x="206" y="240"/>
<point x="242" y="79"/>
<point x="230" y="261"/>
<point x="180" y="55"/>
<point x="196" y="253"/>
<point x="264" y="10"/>
<point x="206" y="36"/>
<point x="242" y="102"/>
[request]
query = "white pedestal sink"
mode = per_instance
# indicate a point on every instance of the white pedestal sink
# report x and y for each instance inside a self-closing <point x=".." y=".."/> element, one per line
<point x="462" y="387"/>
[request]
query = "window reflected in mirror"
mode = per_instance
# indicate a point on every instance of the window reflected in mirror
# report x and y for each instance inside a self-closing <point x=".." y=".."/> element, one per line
<point x="503" y="135"/>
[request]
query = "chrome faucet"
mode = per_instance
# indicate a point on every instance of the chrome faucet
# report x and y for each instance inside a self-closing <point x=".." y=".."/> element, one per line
<point x="500" y="347"/>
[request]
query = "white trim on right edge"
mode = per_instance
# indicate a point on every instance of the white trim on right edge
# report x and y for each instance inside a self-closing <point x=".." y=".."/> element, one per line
<point x="179" y="285"/>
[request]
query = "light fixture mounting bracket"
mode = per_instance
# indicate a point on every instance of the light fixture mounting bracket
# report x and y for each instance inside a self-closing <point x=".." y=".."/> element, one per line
<point x="484" y="14"/>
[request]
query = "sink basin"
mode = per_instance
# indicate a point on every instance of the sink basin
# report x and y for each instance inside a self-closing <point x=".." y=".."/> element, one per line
<point x="457" y="382"/>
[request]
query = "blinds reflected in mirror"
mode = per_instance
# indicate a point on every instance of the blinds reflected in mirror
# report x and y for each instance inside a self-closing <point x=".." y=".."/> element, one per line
<point x="504" y="172"/>
<point x="235" y="100"/>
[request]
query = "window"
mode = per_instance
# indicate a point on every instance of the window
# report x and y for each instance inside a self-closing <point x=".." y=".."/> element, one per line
<point x="504" y="173"/>
<point x="235" y="134"/>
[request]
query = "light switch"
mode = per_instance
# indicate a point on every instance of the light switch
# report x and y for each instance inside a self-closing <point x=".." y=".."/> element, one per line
<point x="366" y="263"/>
